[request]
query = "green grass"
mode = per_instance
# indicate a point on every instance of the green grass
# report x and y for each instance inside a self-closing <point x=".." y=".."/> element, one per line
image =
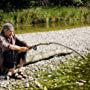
<point x="67" y="76"/>
<point x="46" y="15"/>
<point x="41" y="19"/>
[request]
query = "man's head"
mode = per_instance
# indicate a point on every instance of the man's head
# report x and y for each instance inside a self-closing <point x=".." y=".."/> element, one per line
<point x="8" y="29"/>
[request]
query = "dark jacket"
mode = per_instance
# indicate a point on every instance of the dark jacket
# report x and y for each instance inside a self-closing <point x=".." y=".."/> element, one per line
<point x="5" y="44"/>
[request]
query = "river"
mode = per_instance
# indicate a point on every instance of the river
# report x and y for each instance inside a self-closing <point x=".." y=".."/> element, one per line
<point x="20" y="29"/>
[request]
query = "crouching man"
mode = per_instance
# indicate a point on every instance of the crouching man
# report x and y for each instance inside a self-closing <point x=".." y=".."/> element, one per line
<point x="12" y="52"/>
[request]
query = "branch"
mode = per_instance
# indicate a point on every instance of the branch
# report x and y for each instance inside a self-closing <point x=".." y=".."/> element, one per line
<point x="35" y="47"/>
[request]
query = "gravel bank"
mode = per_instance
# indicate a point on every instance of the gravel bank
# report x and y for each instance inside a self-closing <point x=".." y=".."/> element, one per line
<point x="78" y="39"/>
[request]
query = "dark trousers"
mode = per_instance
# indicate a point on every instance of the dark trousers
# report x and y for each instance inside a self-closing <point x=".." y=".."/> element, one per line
<point x="12" y="58"/>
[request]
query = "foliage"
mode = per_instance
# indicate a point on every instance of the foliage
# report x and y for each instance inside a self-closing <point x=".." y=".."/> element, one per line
<point x="11" y="5"/>
<point x="74" y="74"/>
<point x="47" y="15"/>
<point x="86" y="2"/>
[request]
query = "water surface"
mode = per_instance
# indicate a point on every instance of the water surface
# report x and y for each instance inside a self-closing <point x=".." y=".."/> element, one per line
<point x="20" y="29"/>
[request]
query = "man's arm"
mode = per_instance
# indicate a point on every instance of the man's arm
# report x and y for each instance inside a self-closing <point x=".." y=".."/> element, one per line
<point x="18" y="48"/>
<point x="20" y="43"/>
<point x="4" y="44"/>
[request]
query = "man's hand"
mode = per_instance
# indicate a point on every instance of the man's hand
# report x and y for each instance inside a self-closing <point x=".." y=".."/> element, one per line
<point x="33" y="47"/>
<point x="23" y="49"/>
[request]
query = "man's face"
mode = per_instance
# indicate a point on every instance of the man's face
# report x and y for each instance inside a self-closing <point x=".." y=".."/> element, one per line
<point x="8" y="33"/>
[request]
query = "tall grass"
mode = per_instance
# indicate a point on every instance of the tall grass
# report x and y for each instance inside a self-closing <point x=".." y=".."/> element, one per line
<point x="73" y="74"/>
<point x="47" y="15"/>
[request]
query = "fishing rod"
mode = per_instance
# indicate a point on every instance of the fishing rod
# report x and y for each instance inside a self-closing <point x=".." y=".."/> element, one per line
<point x="48" y="43"/>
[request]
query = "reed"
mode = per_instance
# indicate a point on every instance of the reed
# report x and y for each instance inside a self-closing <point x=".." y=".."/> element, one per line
<point x="46" y="15"/>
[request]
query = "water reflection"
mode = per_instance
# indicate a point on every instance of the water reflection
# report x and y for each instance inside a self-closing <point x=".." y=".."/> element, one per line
<point x="47" y="27"/>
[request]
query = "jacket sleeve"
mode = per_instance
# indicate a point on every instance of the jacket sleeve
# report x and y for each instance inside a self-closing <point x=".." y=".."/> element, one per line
<point x="20" y="43"/>
<point x="4" y="43"/>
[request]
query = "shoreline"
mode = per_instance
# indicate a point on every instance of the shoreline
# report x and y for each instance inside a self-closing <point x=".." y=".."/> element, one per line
<point x="77" y="39"/>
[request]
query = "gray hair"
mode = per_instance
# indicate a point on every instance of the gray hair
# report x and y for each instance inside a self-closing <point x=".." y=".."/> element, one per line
<point x="7" y="26"/>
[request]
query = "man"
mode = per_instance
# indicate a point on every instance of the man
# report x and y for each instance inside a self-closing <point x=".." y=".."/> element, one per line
<point x="12" y="51"/>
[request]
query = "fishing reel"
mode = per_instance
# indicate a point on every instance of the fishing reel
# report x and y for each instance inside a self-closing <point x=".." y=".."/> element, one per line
<point x="34" y="47"/>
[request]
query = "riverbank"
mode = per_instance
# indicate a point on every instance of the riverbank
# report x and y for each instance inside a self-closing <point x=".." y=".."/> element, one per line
<point x="40" y="15"/>
<point x="76" y="38"/>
